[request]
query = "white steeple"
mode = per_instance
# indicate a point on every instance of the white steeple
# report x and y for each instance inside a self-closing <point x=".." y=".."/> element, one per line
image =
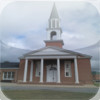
<point x="54" y="31"/>
<point x="54" y="13"/>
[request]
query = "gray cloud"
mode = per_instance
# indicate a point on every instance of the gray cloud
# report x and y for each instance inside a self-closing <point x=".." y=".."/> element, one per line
<point x="80" y="23"/>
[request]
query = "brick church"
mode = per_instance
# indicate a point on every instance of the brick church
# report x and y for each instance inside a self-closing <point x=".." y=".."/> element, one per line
<point x="53" y="64"/>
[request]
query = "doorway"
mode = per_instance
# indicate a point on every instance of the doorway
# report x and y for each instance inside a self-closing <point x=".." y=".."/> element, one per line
<point x="52" y="73"/>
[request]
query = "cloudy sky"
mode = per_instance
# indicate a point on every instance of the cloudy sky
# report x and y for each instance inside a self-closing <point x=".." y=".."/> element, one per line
<point x="23" y="24"/>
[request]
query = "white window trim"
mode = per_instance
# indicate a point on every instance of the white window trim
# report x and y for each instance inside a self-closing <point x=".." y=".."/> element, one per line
<point x="7" y="76"/>
<point x="70" y="75"/>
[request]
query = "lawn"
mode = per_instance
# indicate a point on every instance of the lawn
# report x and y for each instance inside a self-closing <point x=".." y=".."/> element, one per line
<point x="46" y="95"/>
<point x="97" y="84"/>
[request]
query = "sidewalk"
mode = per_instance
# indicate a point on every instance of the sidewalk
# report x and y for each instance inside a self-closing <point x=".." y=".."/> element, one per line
<point x="41" y="85"/>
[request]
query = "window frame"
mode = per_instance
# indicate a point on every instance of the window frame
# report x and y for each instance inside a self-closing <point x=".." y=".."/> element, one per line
<point x="8" y="78"/>
<point x="68" y="69"/>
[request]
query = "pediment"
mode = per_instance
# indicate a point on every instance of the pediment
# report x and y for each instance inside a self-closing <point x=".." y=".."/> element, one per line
<point x="49" y="51"/>
<point x="54" y="51"/>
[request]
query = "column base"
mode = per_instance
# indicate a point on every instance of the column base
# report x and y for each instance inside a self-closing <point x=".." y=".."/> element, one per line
<point x="76" y="82"/>
<point x="41" y="82"/>
<point x="58" y="82"/>
<point x="24" y="81"/>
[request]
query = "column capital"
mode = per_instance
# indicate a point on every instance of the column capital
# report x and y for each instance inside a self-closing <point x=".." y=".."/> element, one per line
<point x="26" y="58"/>
<point x="58" y="58"/>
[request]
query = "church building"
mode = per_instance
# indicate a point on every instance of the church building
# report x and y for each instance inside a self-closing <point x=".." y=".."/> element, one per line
<point x="53" y="64"/>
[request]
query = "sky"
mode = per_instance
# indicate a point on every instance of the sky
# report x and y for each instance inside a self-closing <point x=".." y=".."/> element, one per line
<point x="23" y="24"/>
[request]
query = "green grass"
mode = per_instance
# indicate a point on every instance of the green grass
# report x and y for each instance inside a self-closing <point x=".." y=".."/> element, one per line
<point x="97" y="84"/>
<point x="46" y="95"/>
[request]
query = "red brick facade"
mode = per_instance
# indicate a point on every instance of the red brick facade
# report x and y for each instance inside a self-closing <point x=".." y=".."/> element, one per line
<point x="80" y="67"/>
<point x="84" y="70"/>
<point x="56" y="44"/>
<point x="96" y="77"/>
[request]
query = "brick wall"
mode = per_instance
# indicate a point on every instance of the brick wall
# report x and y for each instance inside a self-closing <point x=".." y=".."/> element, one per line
<point x="9" y="70"/>
<point x="56" y="44"/>
<point x="62" y="73"/>
<point x="96" y="77"/>
<point x="84" y="68"/>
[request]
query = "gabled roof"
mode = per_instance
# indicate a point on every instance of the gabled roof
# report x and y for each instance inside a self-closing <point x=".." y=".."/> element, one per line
<point x="51" y="51"/>
<point x="54" y="13"/>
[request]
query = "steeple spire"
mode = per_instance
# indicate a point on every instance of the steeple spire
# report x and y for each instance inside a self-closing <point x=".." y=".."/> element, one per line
<point x="54" y="30"/>
<point x="54" y="21"/>
<point x="54" y="13"/>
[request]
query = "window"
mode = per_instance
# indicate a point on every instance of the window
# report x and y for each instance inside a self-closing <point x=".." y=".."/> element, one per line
<point x="53" y="35"/>
<point x="8" y="75"/>
<point x="38" y="68"/>
<point x="13" y="75"/>
<point x="53" y="23"/>
<point x="68" y="69"/>
<point x="57" y="23"/>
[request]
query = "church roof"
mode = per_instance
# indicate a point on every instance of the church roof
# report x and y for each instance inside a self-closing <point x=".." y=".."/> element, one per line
<point x="54" y="13"/>
<point x="9" y="65"/>
<point x="54" y="51"/>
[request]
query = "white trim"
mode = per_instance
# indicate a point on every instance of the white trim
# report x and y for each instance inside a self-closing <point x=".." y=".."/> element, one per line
<point x="11" y="78"/>
<point x="70" y="71"/>
<point x="59" y="49"/>
<point x="50" y="57"/>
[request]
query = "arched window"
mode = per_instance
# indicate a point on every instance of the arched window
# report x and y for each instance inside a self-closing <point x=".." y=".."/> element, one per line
<point x="53" y="35"/>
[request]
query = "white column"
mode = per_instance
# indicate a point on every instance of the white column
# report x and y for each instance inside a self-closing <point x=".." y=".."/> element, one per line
<point x="76" y="71"/>
<point x="41" y="72"/>
<point x="25" y="70"/>
<point x="58" y="70"/>
<point x="3" y="75"/>
<point x="31" y="71"/>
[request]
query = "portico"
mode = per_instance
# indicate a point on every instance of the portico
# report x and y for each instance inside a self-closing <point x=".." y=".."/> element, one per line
<point x="57" y="59"/>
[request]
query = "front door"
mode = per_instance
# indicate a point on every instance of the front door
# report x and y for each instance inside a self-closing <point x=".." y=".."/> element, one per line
<point x="51" y="73"/>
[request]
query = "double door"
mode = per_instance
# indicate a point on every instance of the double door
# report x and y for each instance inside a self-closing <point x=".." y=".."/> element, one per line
<point x="51" y="73"/>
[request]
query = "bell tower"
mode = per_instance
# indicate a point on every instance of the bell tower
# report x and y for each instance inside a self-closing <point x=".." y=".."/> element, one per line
<point x="54" y="31"/>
